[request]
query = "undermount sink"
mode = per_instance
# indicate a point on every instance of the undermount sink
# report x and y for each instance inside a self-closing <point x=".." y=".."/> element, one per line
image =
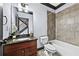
<point x="21" y="39"/>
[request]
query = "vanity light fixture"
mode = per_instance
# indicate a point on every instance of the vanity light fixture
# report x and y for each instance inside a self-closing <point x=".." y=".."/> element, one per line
<point x="23" y="7"/>
<point x="19" y="9"/>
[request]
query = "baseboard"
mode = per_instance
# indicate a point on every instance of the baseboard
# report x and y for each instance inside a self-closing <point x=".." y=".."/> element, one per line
<point x="40" y="48"/>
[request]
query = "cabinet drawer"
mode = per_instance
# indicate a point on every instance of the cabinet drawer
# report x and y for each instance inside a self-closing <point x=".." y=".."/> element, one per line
<point x="27" y="44"/>
<point x="33" y="43"/>
<point x="16" y="46"/>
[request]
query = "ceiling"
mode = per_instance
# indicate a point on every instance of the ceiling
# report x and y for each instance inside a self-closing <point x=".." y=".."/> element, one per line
<point x="53" y="5"/>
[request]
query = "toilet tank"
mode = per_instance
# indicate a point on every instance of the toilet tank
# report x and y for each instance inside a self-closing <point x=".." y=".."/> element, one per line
<point x="44" y="39"/>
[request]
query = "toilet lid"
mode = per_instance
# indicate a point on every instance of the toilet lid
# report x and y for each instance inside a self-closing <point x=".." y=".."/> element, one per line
<point x="50" y="47"/>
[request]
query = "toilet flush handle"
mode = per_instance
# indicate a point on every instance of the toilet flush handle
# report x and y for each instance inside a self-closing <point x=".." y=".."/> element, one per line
<point x="50" y="43"/>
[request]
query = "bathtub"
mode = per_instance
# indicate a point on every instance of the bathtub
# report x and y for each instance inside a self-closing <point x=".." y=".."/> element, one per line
<point x="65" y="49"/>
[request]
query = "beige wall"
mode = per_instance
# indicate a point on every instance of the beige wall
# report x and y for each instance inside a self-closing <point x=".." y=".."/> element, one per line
<point x="51" y="26"/>
<point x="67" y="25"/>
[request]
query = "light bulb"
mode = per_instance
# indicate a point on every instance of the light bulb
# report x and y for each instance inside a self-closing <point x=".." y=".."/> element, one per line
<point x="26" y="10"/>
<point x="19" y="9"/>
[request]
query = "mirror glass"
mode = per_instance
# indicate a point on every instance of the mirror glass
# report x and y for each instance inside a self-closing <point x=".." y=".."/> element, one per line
<point x="22" y="20"/>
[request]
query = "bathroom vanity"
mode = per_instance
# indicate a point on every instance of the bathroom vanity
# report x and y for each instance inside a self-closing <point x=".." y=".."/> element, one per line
<point x="21" y="23"/>
<point x="21" y="47"/>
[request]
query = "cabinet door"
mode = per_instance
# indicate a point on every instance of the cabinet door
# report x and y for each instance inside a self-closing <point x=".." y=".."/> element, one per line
<point x="32" y="50"/>
<point x="27" y="52"/>
<point x="20" y="52"/>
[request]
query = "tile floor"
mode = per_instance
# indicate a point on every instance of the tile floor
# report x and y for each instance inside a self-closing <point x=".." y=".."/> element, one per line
<point x="42" y="53"/>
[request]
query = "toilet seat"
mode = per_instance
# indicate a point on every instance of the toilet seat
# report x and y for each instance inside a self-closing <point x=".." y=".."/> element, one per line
<point x="50" y="48"/>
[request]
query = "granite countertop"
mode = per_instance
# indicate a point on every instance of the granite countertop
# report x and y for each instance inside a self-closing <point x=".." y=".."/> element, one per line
<point x="12" y="41"/>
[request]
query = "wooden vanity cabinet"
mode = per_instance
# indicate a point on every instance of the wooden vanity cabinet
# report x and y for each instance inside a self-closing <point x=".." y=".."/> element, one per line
<point x="26" y="48"/>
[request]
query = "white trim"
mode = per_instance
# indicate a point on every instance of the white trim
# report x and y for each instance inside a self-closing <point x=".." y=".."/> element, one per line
<point x="48" y="8"/>
<point x="64" y="7"/>
<point x="60" y="8"/>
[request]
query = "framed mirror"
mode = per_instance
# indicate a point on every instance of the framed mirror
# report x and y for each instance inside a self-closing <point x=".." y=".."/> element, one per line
<point x="22" y="22"/>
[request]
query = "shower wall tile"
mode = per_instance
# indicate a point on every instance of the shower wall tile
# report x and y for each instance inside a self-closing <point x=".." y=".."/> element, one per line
<point x="51" y="26"/>
<point x="67" y="25"/>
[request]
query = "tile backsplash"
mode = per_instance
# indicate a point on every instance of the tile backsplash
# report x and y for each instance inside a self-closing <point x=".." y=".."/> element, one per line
<point x="51" y="26"/>
<point x="67" y="25"/>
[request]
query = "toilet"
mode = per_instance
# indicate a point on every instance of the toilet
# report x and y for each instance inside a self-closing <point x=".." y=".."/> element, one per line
<point x="47" y="46"/>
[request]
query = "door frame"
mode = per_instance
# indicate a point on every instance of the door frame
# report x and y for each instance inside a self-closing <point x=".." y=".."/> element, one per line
<point x="1" y="30"/>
